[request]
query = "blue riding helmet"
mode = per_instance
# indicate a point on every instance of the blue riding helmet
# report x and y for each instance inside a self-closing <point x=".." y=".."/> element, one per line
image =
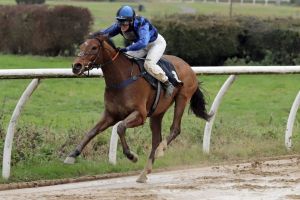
<point x="125" y="13"/>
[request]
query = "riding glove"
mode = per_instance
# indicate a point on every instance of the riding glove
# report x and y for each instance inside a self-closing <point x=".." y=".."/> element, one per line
<point x="123" y="50"/>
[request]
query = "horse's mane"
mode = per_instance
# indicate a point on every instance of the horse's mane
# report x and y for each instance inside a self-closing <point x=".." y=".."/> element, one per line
<point x="111" y="43"/>
<point x="108" y="40"/>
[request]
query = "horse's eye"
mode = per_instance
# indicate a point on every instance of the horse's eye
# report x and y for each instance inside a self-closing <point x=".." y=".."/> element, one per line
<point x="94" y="48"/>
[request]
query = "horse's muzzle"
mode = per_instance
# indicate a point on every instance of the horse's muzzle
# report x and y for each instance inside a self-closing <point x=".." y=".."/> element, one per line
<point x="76" y="68"/>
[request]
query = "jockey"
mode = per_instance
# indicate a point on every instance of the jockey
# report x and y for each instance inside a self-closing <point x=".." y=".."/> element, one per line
<point x="145" y="41"/>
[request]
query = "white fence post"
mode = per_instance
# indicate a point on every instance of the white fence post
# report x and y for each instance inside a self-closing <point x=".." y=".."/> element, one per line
<point x="291" y="120"/>
<point x="12" y="125"/>
<point x="113" y="145"/>
<point x="213" y="110"/>
<point x="266" y="2"/>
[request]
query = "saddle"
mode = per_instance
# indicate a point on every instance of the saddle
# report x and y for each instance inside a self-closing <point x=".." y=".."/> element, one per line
<point x="170" y="71"/>
<point x="166" y="66"/>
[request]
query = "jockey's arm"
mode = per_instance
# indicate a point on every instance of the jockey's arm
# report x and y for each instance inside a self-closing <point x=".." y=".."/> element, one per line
<point x="111" y="31"/>
<point x="144" y="38"/>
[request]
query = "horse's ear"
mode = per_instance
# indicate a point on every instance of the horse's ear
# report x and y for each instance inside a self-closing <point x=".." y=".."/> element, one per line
<point x="102" y="37"/>
<point x="98" y="35"/>
<point x="105" y="35"/>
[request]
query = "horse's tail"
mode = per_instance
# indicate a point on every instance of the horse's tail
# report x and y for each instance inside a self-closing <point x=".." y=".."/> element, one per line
<point x="197" y="105"/>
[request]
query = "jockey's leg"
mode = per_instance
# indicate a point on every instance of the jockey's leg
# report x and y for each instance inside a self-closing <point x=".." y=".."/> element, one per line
<point x="156" y="50"/>
<point x="138" y="54"/>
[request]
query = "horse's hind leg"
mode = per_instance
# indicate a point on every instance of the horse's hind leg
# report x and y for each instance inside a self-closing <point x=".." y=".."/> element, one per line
<point x="132" y="120"/>
<point x="180" y="103"/>
<point x="155" y="125"/>
<point x="105" y="122"/>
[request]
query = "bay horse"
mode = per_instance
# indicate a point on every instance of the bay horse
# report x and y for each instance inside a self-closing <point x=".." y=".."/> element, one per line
<point x="131" y="104"/>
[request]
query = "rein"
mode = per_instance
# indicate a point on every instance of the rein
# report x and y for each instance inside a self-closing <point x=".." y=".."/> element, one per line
<point x="126" y="82"/>
<point x="138" y="58"/>
<point x="94" y="65"/>
<point x="91" y="65"/>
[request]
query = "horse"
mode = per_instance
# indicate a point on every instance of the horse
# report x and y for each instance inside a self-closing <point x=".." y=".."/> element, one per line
<point x="131" y="104"/>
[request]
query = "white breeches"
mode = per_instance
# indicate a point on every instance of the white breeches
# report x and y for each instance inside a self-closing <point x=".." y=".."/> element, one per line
<point x="154" y="52"/>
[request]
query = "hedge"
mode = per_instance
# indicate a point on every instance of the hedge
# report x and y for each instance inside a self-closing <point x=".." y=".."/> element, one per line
<point x="279" y="37"/>
<point x="211" y="40"/>
<point x="43" y="30"/>
<point x="30" y="1"/>
<point x="296" y="2"/>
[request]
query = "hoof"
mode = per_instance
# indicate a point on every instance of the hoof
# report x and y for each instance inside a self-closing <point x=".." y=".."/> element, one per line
<point x="135" y="157"/>
<point x="142" y="179"/>
<point x="160" y="149"/>
<point x="69" y="160"/>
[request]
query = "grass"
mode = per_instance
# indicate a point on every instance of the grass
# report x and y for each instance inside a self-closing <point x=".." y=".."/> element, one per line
<point x="28" y="62"/>
<point x="250" y="122"/>
<point x="56" y="169"/>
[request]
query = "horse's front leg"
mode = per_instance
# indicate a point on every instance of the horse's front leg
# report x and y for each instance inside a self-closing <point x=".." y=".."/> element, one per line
<point x="135" y="119"/>
<point x="105" y="122"/>
<point x="155" y="125"/>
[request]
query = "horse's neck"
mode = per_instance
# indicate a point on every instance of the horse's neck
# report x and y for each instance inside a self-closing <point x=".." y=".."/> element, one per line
<point x="118" y="70"/>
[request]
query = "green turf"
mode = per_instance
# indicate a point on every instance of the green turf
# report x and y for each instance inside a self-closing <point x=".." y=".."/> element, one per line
<point x="250" y="122"/>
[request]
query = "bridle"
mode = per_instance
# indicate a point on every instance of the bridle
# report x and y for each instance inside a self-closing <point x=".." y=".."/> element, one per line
<point x="92" y="64"/>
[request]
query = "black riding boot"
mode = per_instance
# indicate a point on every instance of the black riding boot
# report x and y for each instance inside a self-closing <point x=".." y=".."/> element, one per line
<point x="169" y="88"/>
<point x="178" y="83"/>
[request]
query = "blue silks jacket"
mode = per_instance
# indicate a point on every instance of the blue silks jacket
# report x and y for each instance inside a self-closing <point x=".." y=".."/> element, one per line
<point x="144" y="33"/>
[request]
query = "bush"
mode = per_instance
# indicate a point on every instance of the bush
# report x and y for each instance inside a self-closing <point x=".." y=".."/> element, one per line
<point x="276" y="40"/>
<point x="43" y="30"/>
<point x="296" y="2"/>
<point x="211" y="40"/>
<point x="30" y="1"/>
<point x="205" y="40"/>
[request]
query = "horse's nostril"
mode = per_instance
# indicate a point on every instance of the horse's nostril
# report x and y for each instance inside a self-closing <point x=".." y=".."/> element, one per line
<point x="76" y="68"/>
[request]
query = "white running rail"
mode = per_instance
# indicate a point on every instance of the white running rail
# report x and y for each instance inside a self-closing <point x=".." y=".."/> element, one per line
<point x="38" y="74"/>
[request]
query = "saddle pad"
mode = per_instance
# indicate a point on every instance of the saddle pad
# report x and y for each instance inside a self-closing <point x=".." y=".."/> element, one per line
<point x="166" y="66"/>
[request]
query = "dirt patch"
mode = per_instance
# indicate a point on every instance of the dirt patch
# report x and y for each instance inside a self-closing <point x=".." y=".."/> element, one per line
<point x="42" y="183"/>
<point x="292" y="196"/>
<point x="259" y="179"/>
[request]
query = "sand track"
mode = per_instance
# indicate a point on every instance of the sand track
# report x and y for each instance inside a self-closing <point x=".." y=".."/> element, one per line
<point x="272" y="179"/>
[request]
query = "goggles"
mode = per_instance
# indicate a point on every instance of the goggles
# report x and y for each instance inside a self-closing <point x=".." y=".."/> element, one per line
<point x="123" y="22"/>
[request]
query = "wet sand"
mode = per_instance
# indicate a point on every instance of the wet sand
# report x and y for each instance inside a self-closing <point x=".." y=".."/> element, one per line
<point x="268" y="180"/>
